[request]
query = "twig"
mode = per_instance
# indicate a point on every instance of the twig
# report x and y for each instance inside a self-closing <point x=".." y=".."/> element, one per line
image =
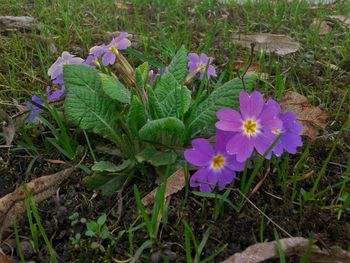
<point x="250" y="61"/>
<point x="257" y="208"/>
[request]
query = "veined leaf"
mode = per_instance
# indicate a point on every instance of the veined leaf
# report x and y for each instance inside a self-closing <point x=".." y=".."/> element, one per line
<point x="178" y="65"/>
<point x="107" y="183"/>
<point x="156" y="158"/>
<point x="137" y="116"/>
<point x="114" y="88"/>
<point x="166" y="131"/>
<point x="166" y="84"/>
<point x="176" y="102"/>
<point x="105" y="166"/>
<point x="86" y="105"/>
<point x="203" y="116"/>
<point x="154" y="104"/>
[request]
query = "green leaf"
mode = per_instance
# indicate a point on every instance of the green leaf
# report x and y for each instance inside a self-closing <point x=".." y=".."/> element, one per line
<point x="156" y="158"/>
<point x="106" y="182"/>
<point x="105" y="166"/>
<point x="166" y="131"/>
<point x="86" y="105"/>
<point x="176" y="102"/>
<point x="178" y="65"/>
<point x="166" y="84"/>
<point x="114" y="88"/>
<point x="136" y="117"/>
<point x="154" y="104"/>
<point x="141" y="73"/>
<point x="102" y="219"/>
<point x="226" y="96"/>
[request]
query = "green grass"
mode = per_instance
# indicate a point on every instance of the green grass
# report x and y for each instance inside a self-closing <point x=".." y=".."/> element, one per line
<point x="159" y="29"/>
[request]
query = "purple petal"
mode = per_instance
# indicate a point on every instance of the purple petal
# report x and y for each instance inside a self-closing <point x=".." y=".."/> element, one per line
<point x="203" y="59"/>
<point x="222" y="137"/>
<point x="251" y="106"/>
<point x="263" y="141"/>
<point x="193" y="58"/>
<point x="226" y="177"/>
<point x="227" y="114"/>
<point x="192" y="67"/>
<point x="201" y="154"/>
<point x="241" y="146"/>
<point x="211" y="71"/>
<point x="123" y="44"/>
<point x="272" y="124"/>
<point x="233" y="164"/>
<point x="291" y="142"/>
<point x="200" y="178"/>
<point x="108" y="58"/>
<point x="98" y="51"/>
<point x="229" y="126"/>
<point x="269" y="111"/>
<point x="203" y="145"/>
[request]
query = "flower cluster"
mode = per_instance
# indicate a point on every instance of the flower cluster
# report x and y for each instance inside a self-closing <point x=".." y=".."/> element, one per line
<point x="198" y="64"/>
<point x="108" y="54"/>
<point x="259" y="125"/>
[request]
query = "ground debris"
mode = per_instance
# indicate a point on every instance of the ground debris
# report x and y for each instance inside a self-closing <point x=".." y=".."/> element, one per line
<point x="175" y="183"/>
<point x="279" y="44"/>
<point x="308" y="115"/>
<point x="12" y="205"/>
<point x="11" y="23"/>
<point x="295" y="246"/>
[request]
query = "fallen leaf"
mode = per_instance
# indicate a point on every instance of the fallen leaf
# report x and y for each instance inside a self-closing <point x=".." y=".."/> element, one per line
<point x="279" y="44"/>
<point x="175" y="183"/>
<point x="8" y="23"/>
<point x="308" y="115"/>
<point x="122" y="5"/>
<point x="253" y="69"/>
<point x="12" y="204"/>
<point x="323" y="27"/>
<point x="295" y="246"/>
<point x="345" y="20"/>
<point x="5" y="259"/>
<point x="8" y="128"/>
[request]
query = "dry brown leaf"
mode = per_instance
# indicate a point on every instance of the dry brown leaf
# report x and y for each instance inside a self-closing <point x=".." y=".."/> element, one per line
<point x="5" y="259"/>
<point x="12" y="204"/>
<point x="122" y="5"/>
<point x="8" y="23"/>
<point x="253" y="69"/>
<point x="279" y="44"/>
<point x="343" y="19"/>
<point x="323" y="27"/>
<point x="308" y="115"/>
<point x="175" y="183"/>
<point x="8" y="128"/>
<point x="295" y="246"/>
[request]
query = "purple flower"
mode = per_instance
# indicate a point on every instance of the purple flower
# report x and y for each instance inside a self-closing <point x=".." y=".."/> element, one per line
<point x="290" y="132"/>
<point x="112" y="49"/>
<point x="34" y="108"/>
<point x="95" y="53"/>
<point x="56" y="94"/>
<point x="217" y="167"/>
<point x="56" y="69"/>
<point x="199" y="63"/>
<point x="251" y="128"/>
<point x="153" y="75"/>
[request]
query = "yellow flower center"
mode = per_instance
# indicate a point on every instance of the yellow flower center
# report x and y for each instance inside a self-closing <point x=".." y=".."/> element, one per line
<point x="200" y="67"/>
<point x="114" y="50"/>
<point x="96" y="63"/>
<point x="277" y="131"/>
<point x="217" y="162"/>
<point x="250" y="127"/>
